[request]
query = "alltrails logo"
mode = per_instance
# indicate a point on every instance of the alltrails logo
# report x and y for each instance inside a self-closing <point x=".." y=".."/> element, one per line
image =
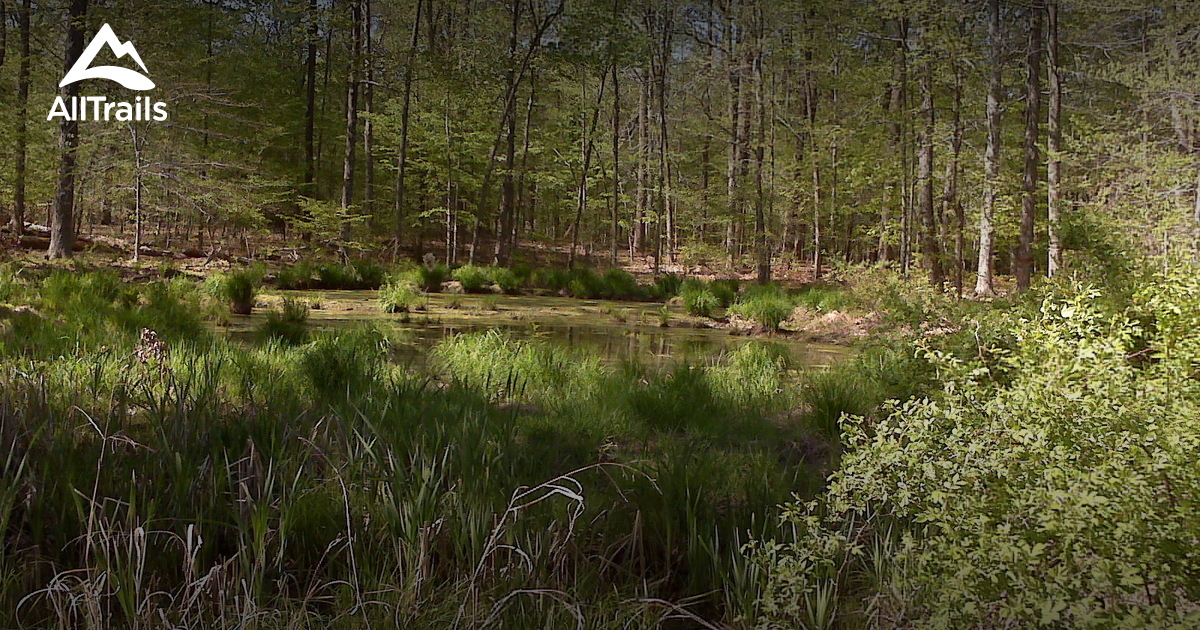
<point x="99" y="107"/>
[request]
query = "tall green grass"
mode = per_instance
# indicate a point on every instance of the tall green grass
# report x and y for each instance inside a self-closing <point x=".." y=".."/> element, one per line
<point x="211" y="484"/>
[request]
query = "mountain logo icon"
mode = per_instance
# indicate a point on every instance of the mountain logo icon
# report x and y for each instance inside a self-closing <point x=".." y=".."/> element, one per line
<point x="131" y="79"/>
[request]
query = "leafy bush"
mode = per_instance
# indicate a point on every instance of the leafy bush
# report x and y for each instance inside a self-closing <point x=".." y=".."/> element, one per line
<point x="766" y="307"/>
<point x="430" y="278"/>
<point x="299" y="275"/>
<point x="509" y="281"/>
<point x="667" y="286"/>
<point x="289" y="324"/>
<point x="823" y="299"/>
<point x="725" y="290"/>
<point x="586" y="284"/>
<point x="474" y="279"/>
<point x="401" y="296"/>
<point x="551" y="279"/>
<point x="237" y="288"/>
<point x="698" y="299"/>
<point x="620" y="285"/>
<point x="1058" y="496"/>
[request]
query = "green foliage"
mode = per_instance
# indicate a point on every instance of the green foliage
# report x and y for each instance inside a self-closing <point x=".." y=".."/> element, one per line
<point x="289" y="324"/>
<point x="552" y="279"/>
<point x="823" y="298"/>
<point x="401" y="296"/>
<point x="430" y="278"/>
<point x="472" y="278"/>
<point x="1056" y="496"/>
<point x="667" y="286"/>
<point x="620" y="285"/>
<point x="698" y="298"/>
<point x="766" y="305"/>
<point x="237" y="289"/>
<point x="725" y="290"/>
<point x="507" y="280"/>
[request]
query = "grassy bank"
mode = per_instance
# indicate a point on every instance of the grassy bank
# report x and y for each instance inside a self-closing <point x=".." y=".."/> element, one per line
<point x="154" y="471"/>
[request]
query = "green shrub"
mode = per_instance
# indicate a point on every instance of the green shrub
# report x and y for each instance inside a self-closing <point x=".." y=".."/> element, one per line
<point x="766" y="307"/>
<point x="503" y="367"/>
<point x="401" y="296"/>
<point x="342" y="365"/>
<point x="289" y="324"/>
<point x="237" y="289"/>
<point x="473" y="279"/>
<point x="586" y="284"/>
<point x="667" y="286"/>
<point x="508" y="280"/>
<point x="698" y="299"/>
<point x="1058" y="496"/>
<point x="725" y="290"/>
<point x="823" y="298"/>
<point x="554" y="280"/>
<point x="430" y="278"/>
<point x="620" y="285"/>
<point x="828" y="395"/>
<point x="298" y="275"/>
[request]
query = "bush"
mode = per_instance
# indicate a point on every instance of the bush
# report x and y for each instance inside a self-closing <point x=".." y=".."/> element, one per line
<point x="725" y="290"/>
<point x="474" y="279"/>
<point x="298" y="275"/>
<point x="1054" y="497"/>
<point x="766" y="307"/>
<point x="509" y="281"/>
<point x="288" y="325"/>
<point x="554" y="280"/>
<point x="586" y="284"/>
<point x="237" y="289"/>
<point x="698" y="299"/>
<point x="667" y="286"/>
<point x="430" y="278"/>
<point x="823" y="298"/>
<point x="401" y="296"/>
<point x="620" y="285"/>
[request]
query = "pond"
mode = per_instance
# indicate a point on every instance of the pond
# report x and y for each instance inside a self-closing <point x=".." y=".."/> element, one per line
<point x="615" y="330"/>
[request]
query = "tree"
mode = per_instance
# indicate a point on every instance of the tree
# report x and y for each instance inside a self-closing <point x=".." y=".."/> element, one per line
<point x="62" y="226"/>
<point x="1033" y="103"/>
<point x="19" y="180"/>
<point x="991" y="156"/>
<point x="1053" y="143"/>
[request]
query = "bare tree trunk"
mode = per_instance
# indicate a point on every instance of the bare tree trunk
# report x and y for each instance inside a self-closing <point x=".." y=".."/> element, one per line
<point x="930" y="249"/>
<point x="368" y="98"/>
<point x="352" y="81"/>
<point x="762" y="250"/>
<point x="62" y="226"/>
<point x="950" y="192"/>
<point x="588" y="144"/>
<point x="643" y="124"/>
<point x="991" y="158"/>
<point x="310" y="102"/>
<point x="616" y="156"/>
<point x="1033" y="101"/>
<point x="508" y="182"/>
<point x="402" y="158"/>
<point x="1054" y="145"/>
<point x="18" y="217"/>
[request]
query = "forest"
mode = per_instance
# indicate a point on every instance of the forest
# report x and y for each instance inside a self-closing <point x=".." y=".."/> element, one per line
<point x="599" y="313"/>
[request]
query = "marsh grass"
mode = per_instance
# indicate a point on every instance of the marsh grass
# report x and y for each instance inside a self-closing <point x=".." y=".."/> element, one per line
<point x="288" y="324"/>
<point x="189" y="479"/>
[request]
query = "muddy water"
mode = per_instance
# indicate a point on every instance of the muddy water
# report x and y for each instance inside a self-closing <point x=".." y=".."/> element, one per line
<point x="613" y="329"/>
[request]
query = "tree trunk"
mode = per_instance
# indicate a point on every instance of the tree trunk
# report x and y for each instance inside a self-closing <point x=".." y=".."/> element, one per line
<point x="1033" y="102"/>
<point x="1054" y="145"/>
<point x="950" y="192"/>
<point x="310" y="102"/>
<point x="930" y="249"/>
<point x="616" y="156"/>
<point x="402" y="158"/>
<point x="349" y="157"/>
<point x="762" y="250"/>
<point x="368" y="98"/>
<point x="991" y="157"/>
<point x="18" y="217"/>
<point x="62" y="226"/>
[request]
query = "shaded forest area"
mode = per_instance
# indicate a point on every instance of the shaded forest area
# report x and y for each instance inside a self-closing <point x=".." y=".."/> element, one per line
<point x="964" y="139"/>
